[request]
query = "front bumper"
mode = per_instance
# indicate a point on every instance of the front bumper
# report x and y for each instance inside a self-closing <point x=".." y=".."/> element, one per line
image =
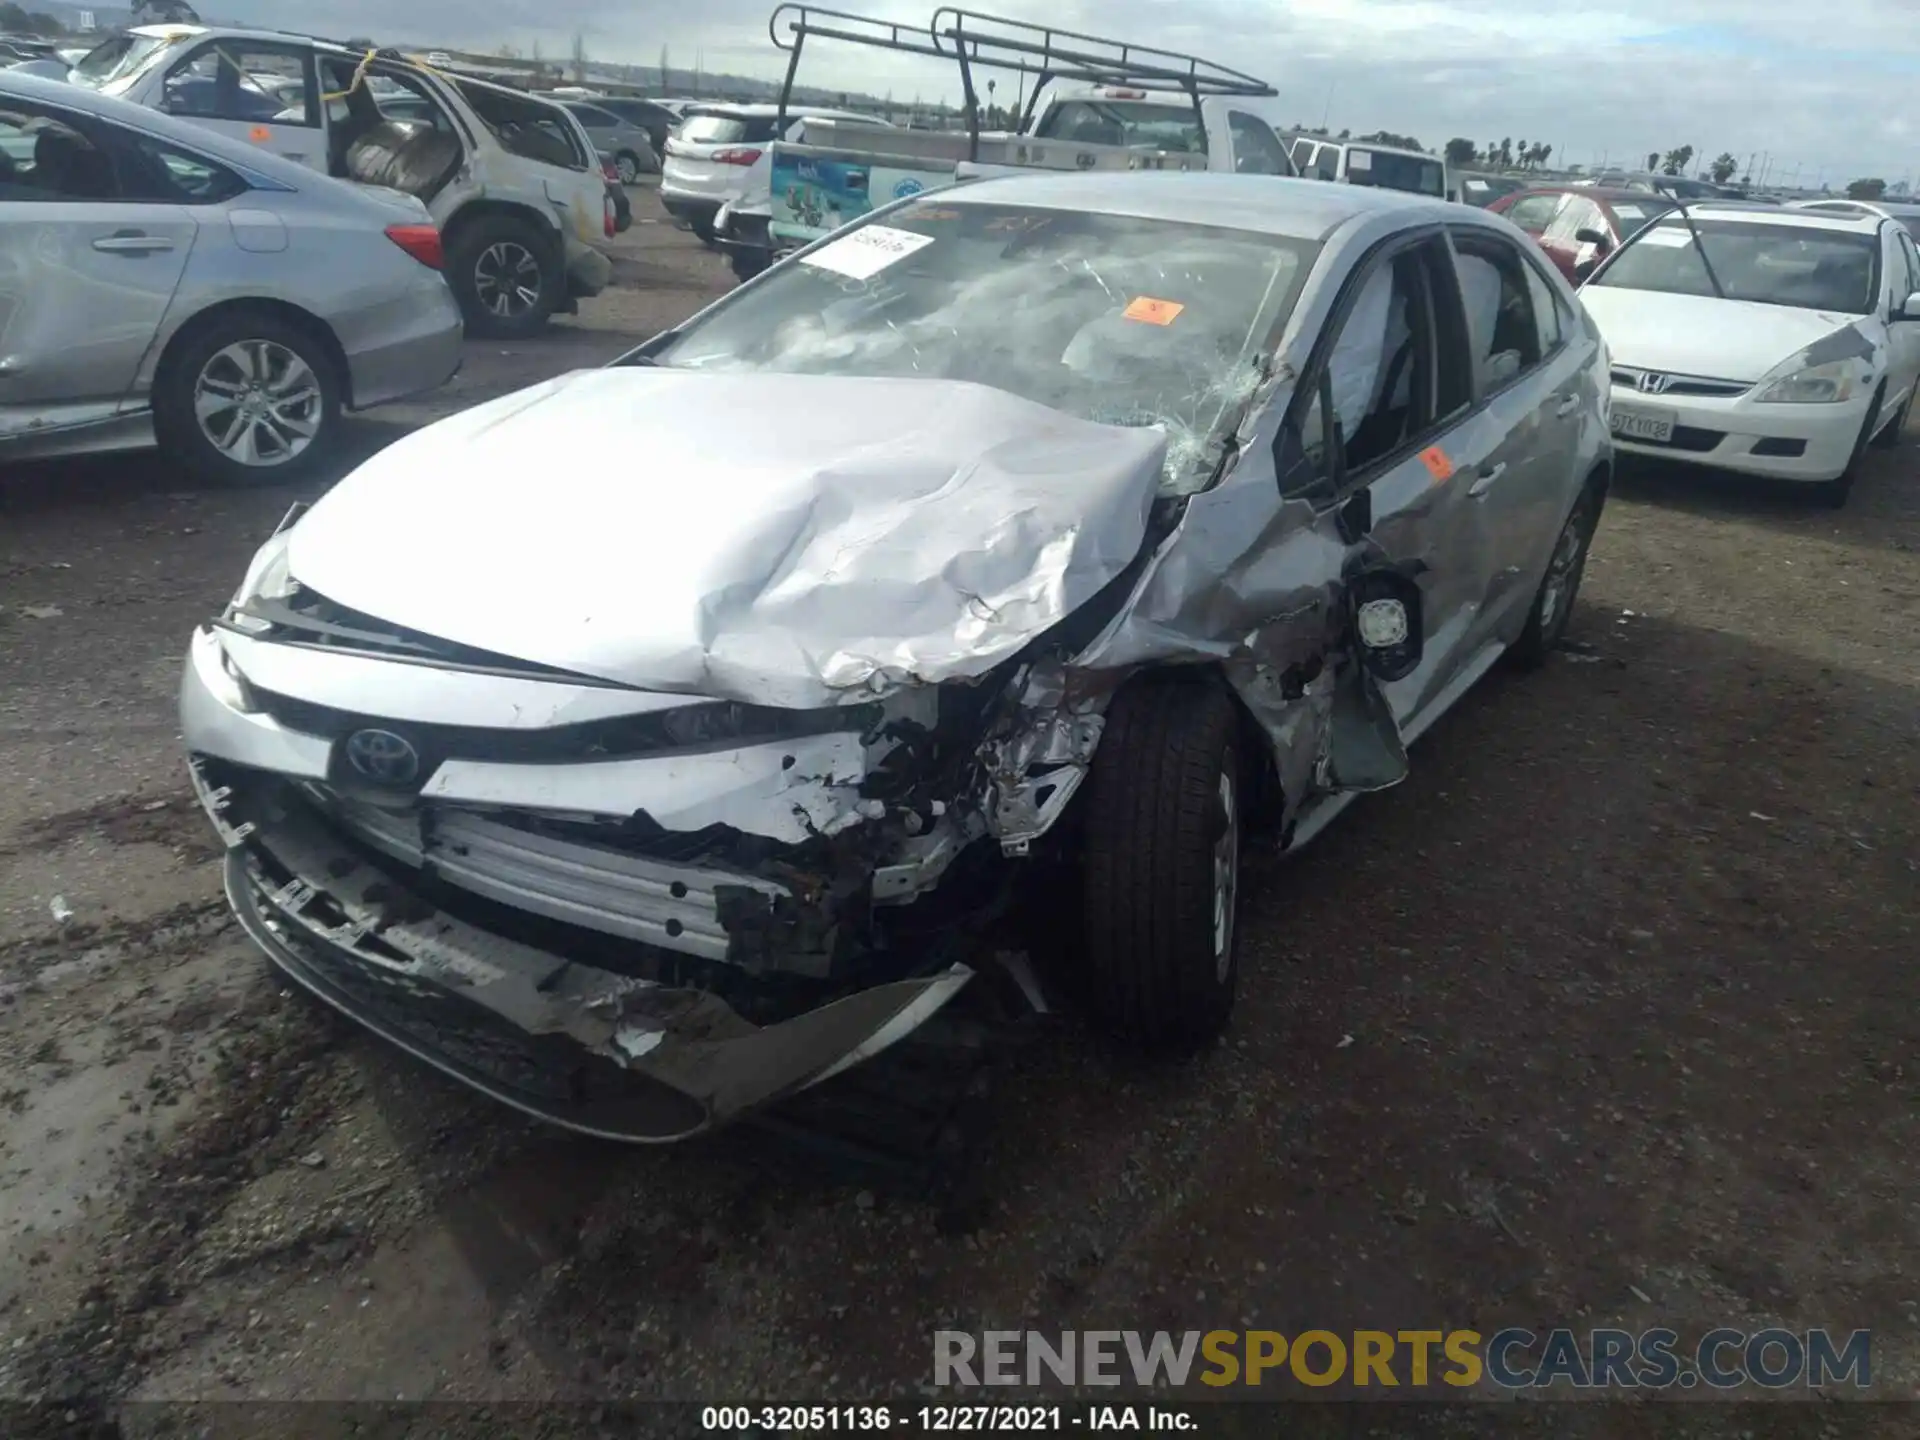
<point x="1787" y="442"/>
<point x="606" y="991"/>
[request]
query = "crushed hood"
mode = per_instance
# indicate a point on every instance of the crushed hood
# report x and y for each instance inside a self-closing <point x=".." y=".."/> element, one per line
<point x="1704" y="336"/>
<point x="787" y="540"/>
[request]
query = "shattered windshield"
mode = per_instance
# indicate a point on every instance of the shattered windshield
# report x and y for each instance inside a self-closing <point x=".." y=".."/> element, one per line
<point x="1111" y="318"/>
<point x="1771" y="264"/>
<point x="117" y="58"/>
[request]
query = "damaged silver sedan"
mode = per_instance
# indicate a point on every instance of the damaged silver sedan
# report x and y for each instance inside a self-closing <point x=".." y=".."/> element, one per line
<point x="649" y="745"/>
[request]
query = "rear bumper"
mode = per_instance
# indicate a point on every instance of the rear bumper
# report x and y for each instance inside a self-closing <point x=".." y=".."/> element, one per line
<point x="588" y="271"/>
<point x="412" y="347"/>
<point x="693" y="209"/>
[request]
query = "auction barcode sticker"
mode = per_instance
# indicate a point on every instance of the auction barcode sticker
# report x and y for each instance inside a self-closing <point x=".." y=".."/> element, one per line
<point x="867" y="251"/>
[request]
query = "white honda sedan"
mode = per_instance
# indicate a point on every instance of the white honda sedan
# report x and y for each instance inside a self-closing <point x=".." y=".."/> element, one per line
<point x="1768" y="341"/>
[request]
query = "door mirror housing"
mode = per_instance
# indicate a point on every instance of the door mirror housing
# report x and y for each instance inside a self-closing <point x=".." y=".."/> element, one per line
<point x="1388" y="631"/>
<point x="1909" y="308"/>
<point x="1587" y="235"/>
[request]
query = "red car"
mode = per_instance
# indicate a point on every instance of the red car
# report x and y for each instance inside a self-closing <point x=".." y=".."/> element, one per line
<point x="1579" y="225"/>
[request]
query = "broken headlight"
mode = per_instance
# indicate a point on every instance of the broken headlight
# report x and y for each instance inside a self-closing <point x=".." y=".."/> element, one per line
<point x="1793" y="384"/>
<point x="268" y="578"/>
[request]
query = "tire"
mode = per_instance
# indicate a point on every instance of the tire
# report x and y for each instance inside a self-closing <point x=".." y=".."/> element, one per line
<point x="1834" y="493"/>
<point x="281" y="379"/>
<point x="1160" y="864"/>
<point x="485" y="260"/>
<point x="1889" y="438"/>
<point x="628" y="165"/>
<point x="1560" y="586"/>
<point x="747" y="264"/>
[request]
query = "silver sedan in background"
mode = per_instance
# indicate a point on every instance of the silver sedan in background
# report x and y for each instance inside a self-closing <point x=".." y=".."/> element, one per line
<point x="161" y="283"/>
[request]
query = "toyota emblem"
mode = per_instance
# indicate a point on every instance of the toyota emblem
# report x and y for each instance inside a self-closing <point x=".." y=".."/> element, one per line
<point x="383" y="757"/>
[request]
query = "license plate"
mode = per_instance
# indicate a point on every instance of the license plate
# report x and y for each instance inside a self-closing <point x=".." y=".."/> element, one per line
<point x="1651" y="425"/>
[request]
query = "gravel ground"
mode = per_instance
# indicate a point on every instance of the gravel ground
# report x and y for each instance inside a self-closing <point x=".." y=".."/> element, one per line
<point x="1605" y="1016"/>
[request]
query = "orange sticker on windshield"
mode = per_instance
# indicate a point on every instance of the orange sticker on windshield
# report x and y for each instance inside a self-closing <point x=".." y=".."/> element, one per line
<point x="260" y="132"/>
<point x="1437" y="463"/>
<point x="1153" y="312"/>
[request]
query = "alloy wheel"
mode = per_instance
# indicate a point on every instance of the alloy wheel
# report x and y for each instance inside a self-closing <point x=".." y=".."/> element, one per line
<point x="507" y="279"/>
<point x="258" y="403"/>
<point x="1563" y="571"/>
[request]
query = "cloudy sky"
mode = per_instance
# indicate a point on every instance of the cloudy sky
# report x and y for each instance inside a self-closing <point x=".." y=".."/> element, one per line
<point x="1825" y="86"/>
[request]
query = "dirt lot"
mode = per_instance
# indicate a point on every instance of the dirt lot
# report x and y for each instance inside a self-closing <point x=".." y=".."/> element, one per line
<point x="1605" y="1016"/>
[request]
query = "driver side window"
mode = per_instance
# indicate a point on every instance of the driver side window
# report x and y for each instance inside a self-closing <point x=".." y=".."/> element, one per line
<point x="1373" y="394"/>
<point x="1900" y="277"/>
<point x="1912" y="254"/>
<point x="247" y="81"/>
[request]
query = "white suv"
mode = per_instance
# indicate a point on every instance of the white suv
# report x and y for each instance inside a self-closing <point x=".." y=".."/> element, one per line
<point x="714" y="147"/>
<point x="512" y="180"/>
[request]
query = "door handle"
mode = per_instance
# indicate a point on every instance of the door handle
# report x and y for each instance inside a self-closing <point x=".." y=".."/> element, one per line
<point x="132" y="242"/>
<point x="1486" y="479"/>
<point x="1568" y="404"/>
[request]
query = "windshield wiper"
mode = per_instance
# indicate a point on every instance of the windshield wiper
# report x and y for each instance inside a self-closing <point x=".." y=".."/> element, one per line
<point x="1694" y="230"/>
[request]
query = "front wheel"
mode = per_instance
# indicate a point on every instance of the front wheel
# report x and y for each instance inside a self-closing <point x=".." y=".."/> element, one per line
<point x="507" y="277"/>
<point x="1161" y="863"/>
<point x="248" y="399"/>
<point x="1890" y="437"/>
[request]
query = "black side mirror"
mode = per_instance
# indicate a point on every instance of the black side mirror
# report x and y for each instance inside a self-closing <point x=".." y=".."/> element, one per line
<point x="1586" y="235"/>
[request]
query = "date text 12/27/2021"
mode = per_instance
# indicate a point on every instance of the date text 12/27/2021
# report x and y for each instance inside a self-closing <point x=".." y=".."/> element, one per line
<point x="943" y="1419"/>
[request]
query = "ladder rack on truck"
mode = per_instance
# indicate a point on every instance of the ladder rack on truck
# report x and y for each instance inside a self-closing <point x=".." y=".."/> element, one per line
<point x="974" y="40"/>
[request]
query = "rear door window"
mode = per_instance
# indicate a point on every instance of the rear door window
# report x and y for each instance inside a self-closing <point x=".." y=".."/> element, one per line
<point x="1256" y="149"/>
<point x="1506" y="334"/>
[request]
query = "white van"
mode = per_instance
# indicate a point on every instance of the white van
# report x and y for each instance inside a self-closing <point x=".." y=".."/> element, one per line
<point x="1351" y="162"/>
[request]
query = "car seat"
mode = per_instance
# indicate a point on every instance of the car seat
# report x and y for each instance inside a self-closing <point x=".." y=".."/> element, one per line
<point x="407" y="155"/>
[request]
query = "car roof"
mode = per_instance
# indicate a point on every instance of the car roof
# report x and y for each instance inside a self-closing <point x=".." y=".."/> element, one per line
<point x="1611" y="194"/>
<point x="760" y="110"/>
<point x="189" y="136"/>
<point x="1297" y="209"/>
<point x="1865" y="224"/>
<point x="1869" y="207"/>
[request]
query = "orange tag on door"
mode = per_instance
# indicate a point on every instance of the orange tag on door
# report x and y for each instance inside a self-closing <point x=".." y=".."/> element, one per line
<point x="260" y="132"/>
<point x="1438" y="466"/>
<point x="1152" y="312"/>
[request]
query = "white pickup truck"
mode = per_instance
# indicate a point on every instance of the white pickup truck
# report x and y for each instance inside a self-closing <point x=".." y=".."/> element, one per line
<point x="1097" y="104"/>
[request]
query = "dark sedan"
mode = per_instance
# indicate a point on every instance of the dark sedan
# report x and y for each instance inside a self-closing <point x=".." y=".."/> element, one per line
<point x="1580" y="225"/>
